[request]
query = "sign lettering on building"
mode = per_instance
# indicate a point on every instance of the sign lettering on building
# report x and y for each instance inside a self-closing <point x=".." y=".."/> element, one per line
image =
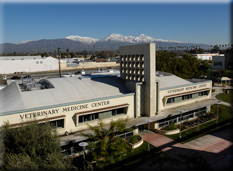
<point x="63" y="110"/>
<point x="186" y="88"/>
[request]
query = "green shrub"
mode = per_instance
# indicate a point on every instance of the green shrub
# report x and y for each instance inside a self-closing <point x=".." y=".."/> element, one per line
<point x="133" y="139"/>
<point x="169" y="127"/>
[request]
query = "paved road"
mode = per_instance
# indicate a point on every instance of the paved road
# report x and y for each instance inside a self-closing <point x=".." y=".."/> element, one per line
<point x="216" y="148"/>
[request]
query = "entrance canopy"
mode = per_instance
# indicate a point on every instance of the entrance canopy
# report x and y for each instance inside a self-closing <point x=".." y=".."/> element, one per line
<point x="173" y="112"/>
<point x="224" y="79"/>
<point x="223" y="82"/>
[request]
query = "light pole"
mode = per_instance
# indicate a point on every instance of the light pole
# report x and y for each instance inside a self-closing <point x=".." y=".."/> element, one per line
<point x="59" y="57"/>
<point x="83" y="144"/>
<point x="181" y="112"/>
<point x="219" y="102"/>
<point x="148" y="121"/>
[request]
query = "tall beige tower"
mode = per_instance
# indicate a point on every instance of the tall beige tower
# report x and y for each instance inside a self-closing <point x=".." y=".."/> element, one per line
<point x="137" y="67"/>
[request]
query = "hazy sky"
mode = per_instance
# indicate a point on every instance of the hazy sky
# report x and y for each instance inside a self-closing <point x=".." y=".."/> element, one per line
<point x="207" y="23"/>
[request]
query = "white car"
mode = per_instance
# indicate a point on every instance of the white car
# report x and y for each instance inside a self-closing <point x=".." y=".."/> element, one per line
<point x="68" y="75"/>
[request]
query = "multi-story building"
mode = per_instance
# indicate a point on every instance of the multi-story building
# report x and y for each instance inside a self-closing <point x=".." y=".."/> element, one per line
<point x="222" y="62"/>
<point x="138" y="93"/>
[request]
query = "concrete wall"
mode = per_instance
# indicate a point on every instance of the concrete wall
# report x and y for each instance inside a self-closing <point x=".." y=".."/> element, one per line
<point x="138" y="65"/>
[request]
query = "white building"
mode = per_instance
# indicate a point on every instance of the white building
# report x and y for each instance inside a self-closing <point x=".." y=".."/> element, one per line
<point x="139" y="93"/>
<point x="207" y="56"/>
<point x="19" y="64"/>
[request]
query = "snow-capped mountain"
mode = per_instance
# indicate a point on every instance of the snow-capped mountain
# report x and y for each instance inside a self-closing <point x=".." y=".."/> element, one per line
<point x="142" y="38"/>
<point x="118" y="37"/>
<point x="87" y="40"/>
<point x="25" y="41"/>
<point x="78" y="43"/>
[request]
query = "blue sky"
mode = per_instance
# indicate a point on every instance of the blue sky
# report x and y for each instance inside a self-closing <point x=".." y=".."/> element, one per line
<point x="207" y="23"/>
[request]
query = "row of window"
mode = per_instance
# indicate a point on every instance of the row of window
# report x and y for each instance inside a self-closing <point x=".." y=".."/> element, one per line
<point x="217" y="63"/>
<point x="101" y="115"/>
<point x="186" y="97"/>
<point x="39" y="62"/>
<point x="58" y="123"/>
<point x="185" y="117"/>
<point x="91" y="117"/>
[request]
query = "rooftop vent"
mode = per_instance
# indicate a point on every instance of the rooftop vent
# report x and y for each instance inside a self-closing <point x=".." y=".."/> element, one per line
<point x="29" y="84"/>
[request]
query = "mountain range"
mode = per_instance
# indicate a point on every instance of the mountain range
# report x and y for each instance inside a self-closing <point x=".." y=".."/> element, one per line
<point x="78" y="43"/>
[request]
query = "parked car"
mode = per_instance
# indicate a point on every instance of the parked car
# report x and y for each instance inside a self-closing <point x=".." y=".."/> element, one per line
<point x="27" y="77"/>
<point x="15" y="78"/>
<point x="68" y="75"/>
<point x="80" y="72"/>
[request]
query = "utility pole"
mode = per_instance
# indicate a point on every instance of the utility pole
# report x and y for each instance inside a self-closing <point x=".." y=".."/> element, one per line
<point x="59" y="58"/>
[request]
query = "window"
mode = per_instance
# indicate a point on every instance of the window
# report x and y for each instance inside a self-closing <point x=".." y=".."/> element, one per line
<point x="187" y="97"/>
<point x="101" y="115"/>
<point x="58" y="123"/>
<point x="41" y="62"/>
<point x="203" y="93"/>
<point x="37" y="62"/>
<point x="120" y="111"/>
<point x="90" y="117"/>
<point x="170" y="100"/>
<point x="218" y="63"/>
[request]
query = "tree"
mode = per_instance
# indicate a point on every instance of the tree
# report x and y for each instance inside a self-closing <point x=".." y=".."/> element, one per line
<point x="215" y="49"/>
<point x="67" y="52"/>
<point x="105" y="146"/>
<point x="32" y="146"/>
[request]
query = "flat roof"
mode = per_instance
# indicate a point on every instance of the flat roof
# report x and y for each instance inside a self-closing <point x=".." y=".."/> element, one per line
<point x="167" y="80"/>
<point x="19" y="57"/>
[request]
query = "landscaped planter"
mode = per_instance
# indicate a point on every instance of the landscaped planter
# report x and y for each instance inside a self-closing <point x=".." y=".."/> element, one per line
<point x="171" y="132"/>
<point x="168" y="132"/>
<point x="137" y="144"/>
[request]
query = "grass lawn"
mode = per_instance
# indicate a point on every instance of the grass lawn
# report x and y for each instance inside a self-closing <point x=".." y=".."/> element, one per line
<point x="224" y="118"/>
<point x="225" y="97"/>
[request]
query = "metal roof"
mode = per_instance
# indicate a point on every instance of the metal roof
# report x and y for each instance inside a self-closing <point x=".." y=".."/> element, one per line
<point x="66" y="90"/>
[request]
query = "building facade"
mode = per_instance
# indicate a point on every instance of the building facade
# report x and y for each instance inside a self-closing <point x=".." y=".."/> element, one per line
<point x="222" y="62"/>
<point x="67" y="103"/>
<point x="207" y="56"/>
<point x="138" y="93"/>
<point x="18" y="64"/>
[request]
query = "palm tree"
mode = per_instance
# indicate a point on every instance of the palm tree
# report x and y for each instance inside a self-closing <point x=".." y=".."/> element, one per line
<point x="67" y="52"/>
<point x="105" y="145"/>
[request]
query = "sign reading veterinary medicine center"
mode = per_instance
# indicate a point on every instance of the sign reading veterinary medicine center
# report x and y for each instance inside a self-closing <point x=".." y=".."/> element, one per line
<point x="62" y="110"/>
<point x="186" y="88"/>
